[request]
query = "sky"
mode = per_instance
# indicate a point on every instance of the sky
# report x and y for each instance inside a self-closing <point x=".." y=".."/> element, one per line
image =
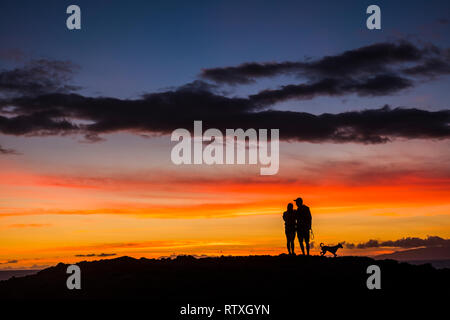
<point x="86" y="117"/>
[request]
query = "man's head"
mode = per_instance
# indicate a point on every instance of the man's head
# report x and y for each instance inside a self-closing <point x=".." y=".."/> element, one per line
<point x="299" y="201"/>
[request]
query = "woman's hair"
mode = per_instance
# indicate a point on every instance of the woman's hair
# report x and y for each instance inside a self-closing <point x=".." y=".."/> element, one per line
<point x="290" y="206"/>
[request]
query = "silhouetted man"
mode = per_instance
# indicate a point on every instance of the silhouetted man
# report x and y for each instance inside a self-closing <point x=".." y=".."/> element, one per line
<point x="303" y="220"/>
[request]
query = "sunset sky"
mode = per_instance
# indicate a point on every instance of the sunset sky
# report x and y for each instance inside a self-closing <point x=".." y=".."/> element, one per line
<point x="86" y="117"/>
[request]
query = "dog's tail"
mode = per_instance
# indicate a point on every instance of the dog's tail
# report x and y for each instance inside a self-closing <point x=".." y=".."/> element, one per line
<point x="321" y="244"/>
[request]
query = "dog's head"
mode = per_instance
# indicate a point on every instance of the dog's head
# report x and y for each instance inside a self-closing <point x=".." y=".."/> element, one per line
<point x="340" y="245"/>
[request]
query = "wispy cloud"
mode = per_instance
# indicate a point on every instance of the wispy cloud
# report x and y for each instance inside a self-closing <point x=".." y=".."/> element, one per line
<point x="8" y="151"/>
<point x="10" y="262"/>
<point x="29" y="225"/>
<point x="96" y="255"/>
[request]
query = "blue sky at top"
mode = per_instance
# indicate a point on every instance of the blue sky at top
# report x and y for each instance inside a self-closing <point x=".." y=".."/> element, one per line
<point x="146" y="46"/>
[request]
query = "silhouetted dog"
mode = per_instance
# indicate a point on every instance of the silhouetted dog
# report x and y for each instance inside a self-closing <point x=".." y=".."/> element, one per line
<point x="332" y="249"/>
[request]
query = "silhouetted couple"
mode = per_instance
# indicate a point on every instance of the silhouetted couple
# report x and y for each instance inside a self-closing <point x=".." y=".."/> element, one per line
<point x="297" y="221"/>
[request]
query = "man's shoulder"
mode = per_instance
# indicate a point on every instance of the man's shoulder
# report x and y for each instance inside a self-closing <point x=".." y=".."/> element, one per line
<point x="306" y="210"/>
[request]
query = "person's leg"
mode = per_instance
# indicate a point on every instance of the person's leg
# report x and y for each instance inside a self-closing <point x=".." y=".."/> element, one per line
<point x="307" y="241"/>
<point x="300" y="240"/>
<point x="288" y="245"/>
<point x="292" y="243"/>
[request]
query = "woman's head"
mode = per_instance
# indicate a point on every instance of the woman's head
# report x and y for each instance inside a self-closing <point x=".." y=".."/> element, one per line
<point x="290" y="206"/>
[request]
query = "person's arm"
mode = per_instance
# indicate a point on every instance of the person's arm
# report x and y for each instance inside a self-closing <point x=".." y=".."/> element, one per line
<point x="309" y="218"/>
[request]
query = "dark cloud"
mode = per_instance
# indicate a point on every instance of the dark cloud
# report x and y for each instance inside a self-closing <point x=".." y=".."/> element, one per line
<point x="349" y="245"/>
<point x="96" y="255"/>
<point x="372" y="86"/>
<point x="8" y="151"/>
<point x="431" y="241"/>
<point x="185" y="256"/>
<point x="38" y="77"/>
<point x="430" y="68"/>
<point x="247" y="72"/>
<point x="375" y="59"/>
<point x="44" y="105"/>
<point x="10" y="262"/>
<point x="374" y="70"/>
<point x="36" y="123"/>
<point x="161" y="113"/>
<point x="106" y="254"/>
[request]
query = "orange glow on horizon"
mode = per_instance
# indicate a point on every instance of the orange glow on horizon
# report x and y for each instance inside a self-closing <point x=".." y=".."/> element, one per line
<point x="47" y="218"/>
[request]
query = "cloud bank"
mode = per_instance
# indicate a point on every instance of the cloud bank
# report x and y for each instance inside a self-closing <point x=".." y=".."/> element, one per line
<point x="43" y="103"/>
<point x="406" y="243"/>
<point x="161" y="113"/>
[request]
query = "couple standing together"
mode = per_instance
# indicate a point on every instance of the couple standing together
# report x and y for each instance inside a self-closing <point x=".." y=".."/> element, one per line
<point x="297" y="221"/>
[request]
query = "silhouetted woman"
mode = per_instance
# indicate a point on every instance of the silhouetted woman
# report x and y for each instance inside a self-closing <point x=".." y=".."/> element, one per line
<point x="289" y="227"/>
